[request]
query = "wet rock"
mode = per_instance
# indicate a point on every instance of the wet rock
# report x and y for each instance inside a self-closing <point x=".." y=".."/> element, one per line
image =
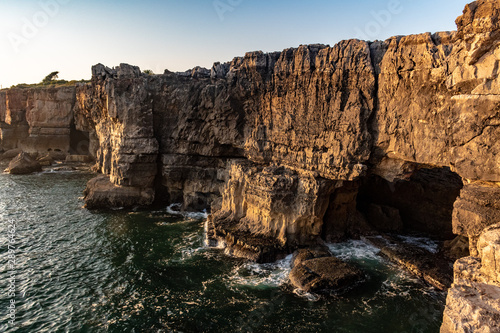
<point x="45" y="160"/>
<point x="324" y="274"/>
<point x="10" y="154"/>
<point x="302" y="255"/>
<point x="273" y="202"/>
<point x="23" y="164"/>
<point x="432" y="268"/>
<point x="100" y="193"/>
<point x="243" y="244"/>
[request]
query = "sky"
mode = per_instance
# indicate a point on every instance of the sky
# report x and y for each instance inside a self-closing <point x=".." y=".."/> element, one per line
<point x="38" y="37"/>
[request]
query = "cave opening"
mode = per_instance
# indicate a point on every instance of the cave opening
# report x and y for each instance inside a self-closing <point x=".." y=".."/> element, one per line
<point x="79" y="141"/>
<point x="420" y="203"/>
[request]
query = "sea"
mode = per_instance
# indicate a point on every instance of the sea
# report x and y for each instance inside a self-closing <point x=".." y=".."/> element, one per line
<point x="67" y="269"/>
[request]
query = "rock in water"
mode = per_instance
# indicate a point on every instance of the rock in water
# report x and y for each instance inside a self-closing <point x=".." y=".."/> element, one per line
<point x="101" y="194"/>
<point x="23" y="164"/>
<point x="324" y="274"/>
<point x="10" y="154"/>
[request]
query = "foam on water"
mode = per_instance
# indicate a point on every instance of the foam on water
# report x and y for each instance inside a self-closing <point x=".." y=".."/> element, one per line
<point x="114" y="271"/>
<point x="422" y="242"/>
<point x="256" y="275"/>
<point x="174" y="209"/>
<point x="355" y="249"/>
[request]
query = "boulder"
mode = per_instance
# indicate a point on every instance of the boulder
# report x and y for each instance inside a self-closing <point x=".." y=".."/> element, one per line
<point x="302" y="255"/>
<point x="100" y="193"/>
<point x="10" y="154"/>
<point x="45" y="160"/>
<point x="324" y="275"/>
<point x="23" y="164"/>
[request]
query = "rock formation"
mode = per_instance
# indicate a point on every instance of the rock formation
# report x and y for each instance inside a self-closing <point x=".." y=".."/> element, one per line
<point x="23" y="164"/>
<point x="310" y="143"/>
<point x="319" y="272"/>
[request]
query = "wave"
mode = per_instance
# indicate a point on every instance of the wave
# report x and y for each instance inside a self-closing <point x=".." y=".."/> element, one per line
<point x="175" y="209"/>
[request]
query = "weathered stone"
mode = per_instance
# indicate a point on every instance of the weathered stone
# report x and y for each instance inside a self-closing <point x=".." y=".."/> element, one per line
<point x="23" y="164"/>
<point x="432" y="268"/>
<point x="325" y="274"/>
<point x="473" y="304"/>
<point x="10" y="154"/>
<point x="457" y="248"/>
<point x="489" y="251"/>
<point x="102" y="194"/>
<point x="302" y="255"/>
<point x="275" y="202"/>
<point x="477" y="208"/>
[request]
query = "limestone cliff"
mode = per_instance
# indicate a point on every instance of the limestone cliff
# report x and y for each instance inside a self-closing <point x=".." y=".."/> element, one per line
<point x="308" y="144"/>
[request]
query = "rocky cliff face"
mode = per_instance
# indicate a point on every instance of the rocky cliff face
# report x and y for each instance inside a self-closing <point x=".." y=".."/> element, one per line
<point x="309" y="144"/>
<point x="38" y="119"/>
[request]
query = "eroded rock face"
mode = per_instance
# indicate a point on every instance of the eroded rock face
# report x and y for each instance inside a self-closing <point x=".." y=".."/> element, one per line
<point x="118" y="107"/>
<point x="37" y="119"/>
<point x="23" y="164"/>
<point x="275" y="202"/>
<point x="102" y="194"/>
<point x="477" y="208"/>
<point x="324" y="275"/>
<point x="489" y="252"/>
<point x="473" y="303"/>
<point x="285" y="138"/>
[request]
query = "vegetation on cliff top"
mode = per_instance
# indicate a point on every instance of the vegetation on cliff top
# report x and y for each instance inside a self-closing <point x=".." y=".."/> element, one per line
<point x="50" y="81"/>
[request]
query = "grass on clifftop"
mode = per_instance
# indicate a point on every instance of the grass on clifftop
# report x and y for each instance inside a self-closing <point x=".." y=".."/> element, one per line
<point x="51" y="84"/>
<point x="50" y="81"/>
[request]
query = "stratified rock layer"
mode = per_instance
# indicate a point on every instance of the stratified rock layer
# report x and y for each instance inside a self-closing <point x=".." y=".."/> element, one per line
<point x="286" y="138"/>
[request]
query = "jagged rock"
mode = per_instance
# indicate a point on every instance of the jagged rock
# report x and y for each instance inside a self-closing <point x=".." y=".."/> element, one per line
<point x="10" y="154"/>
<point x="489" y="251"/>
<point x="23" y="164"/>
<point x="325" y="274"/>
<point x="473" y="304"/>
<point x="457" y="248"/>
<point x="57" y="155"/>
<point x="312" y="121"/>
<point x="275" y="202"/>
<point x="219" y="71"/>
<point x="302" y="255"/>
<point x="45" y="160"/>
<point x="100" y="193"/>
<point x="432" y="268"/>
<point x="477" y="208"/>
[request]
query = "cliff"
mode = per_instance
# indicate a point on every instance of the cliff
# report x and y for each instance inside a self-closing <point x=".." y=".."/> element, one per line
<point x="309" y="144"/>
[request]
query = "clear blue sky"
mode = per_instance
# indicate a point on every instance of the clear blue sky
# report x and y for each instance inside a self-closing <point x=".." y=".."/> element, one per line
<point x="69" y="36"/>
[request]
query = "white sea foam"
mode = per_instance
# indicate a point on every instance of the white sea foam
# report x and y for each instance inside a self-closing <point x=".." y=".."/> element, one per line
<point x="422" y="242"/>
<point x="174" y="209"/>
<point x="354" y="249"/>
<point x="312" y="297"/>
<point x="261" y="275"/>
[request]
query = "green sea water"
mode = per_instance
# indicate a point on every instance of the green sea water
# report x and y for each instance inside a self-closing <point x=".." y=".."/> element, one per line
<point x="74" y="270"/>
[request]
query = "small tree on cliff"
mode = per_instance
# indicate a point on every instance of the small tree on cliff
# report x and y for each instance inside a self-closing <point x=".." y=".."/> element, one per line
<point x="148" y="72"/>
<point x="51" y="77"/>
